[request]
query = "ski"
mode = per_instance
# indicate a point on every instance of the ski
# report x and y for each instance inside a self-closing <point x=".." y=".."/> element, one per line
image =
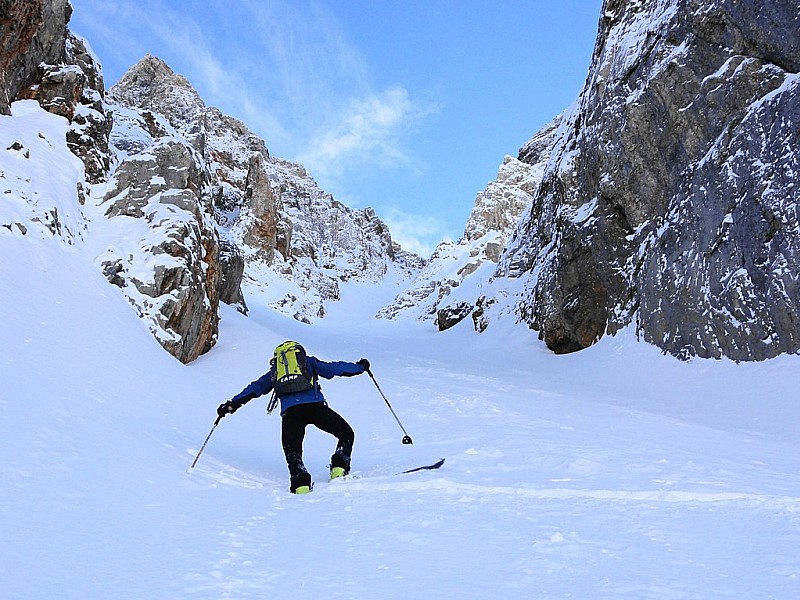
<point x="357" y="476"/>
<point x="435" y="465"/>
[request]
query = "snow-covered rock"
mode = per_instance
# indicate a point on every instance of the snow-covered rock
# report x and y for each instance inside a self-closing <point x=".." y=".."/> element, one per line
<point x="497" y="209"/>
<point x="42" y="184"/>
<point x="666" y="195"/>
<point x="90" y="121"/>
<point x="285" y="225"/>
<point x="671" y="197"/>
<point x="170" y="271"/>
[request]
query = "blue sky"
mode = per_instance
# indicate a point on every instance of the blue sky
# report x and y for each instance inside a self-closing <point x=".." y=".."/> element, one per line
<point x="406" y="106"/>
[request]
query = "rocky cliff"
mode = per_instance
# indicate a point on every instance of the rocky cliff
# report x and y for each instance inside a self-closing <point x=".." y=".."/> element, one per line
<point x="669" y="193"/>
<point x="445" y="289"/>
<point x="671" y="198"/>
<point x="272" y="210"/>
<point x="165" y="255"/>
<point x="32" y="33"/>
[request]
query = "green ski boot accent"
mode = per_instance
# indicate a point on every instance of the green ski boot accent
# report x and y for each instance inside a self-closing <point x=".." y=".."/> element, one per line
<point x="337" y="472"/>
<point x="303" y="489"/>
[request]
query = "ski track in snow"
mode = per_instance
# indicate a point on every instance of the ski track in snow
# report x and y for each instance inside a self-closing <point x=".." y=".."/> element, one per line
<point x="450" y="488"/>
<point x="555" y="534"/>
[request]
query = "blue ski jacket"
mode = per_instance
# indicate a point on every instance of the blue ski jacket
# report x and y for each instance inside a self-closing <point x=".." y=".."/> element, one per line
<point x="320" y="368"/>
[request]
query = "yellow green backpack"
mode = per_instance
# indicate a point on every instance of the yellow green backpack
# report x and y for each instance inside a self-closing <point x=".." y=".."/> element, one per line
<point x="292" y="373"/>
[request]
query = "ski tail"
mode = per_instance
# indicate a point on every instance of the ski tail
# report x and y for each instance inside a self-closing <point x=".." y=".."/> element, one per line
<point x="435" y="465"/>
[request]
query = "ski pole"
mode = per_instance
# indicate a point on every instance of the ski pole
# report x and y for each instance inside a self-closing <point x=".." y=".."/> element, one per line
<point x="204" y="443"/>
<point x="406" y="437"/>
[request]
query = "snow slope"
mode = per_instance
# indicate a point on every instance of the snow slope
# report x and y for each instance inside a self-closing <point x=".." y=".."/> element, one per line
<point x="615" y="472"/>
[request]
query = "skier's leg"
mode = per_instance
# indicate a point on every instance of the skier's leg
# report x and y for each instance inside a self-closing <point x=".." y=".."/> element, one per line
<point x="329" y="421"/>
<point x="293" y="431"/>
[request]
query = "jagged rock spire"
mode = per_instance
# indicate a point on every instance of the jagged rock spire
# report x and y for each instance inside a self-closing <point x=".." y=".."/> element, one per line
<point x="152" y="85"/>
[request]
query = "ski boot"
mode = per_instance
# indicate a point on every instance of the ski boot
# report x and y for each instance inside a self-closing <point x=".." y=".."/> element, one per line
<point x="337" y="472"/>
<point x="300" y="482"/>
<point x="340" y="461"/>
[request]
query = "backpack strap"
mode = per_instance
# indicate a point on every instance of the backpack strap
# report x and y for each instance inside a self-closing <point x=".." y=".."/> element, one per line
<point x="273" y="403"/>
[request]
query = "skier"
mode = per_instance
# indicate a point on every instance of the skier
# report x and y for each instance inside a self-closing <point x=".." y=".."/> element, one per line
<point x="301" y="405"/>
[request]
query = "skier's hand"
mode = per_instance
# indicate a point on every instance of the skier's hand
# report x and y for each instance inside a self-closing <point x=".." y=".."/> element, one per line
<point x="364" y="363"/>
<point x="226" y="408"/>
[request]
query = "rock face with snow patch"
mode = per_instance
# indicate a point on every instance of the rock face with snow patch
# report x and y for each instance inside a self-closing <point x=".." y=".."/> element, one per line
<point x="285" y="224"/>
<point x="42" y="60"/>
<point x="672" y="193"/>
<point x="32" y="32"/>
<point x="90" y="122"/>
<point x="438" y="292"/>
<point x="171" y="271"/>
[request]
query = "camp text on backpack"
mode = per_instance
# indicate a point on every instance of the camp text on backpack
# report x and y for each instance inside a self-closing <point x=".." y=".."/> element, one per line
<point x="291" y="369"/>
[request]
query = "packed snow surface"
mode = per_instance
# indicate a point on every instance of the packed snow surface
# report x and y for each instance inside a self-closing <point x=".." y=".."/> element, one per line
<point x="615" y="472"/>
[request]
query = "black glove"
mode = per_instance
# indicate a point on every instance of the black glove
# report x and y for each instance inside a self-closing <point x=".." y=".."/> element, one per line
<point x="364" y="363"/>
<point x="227" y="408"/>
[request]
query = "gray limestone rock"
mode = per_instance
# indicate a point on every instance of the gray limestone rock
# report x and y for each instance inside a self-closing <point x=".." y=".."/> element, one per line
<point x="32" y="32"/>
<point x="174" y="270"/>
<point x="283" y="222"/>
<point x="230" y="275"/>
<point x="671" y="195"/>
<point x="496" y="211"/>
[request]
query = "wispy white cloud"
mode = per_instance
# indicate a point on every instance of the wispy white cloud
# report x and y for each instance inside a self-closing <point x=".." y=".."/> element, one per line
<point x="415" y="232"/>
<point x="287" y="69"/>
<point x="369" y="131"/>
<point x="223" y="78"/>
<point x="299" y="81"/>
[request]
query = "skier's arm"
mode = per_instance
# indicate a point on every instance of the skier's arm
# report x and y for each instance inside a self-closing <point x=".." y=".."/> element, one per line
<point x="259" y="387"/>
<point x="329" y="370"/>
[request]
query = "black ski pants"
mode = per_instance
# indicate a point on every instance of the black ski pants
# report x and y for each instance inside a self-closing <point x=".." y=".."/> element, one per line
<point x="319" y="414"/>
